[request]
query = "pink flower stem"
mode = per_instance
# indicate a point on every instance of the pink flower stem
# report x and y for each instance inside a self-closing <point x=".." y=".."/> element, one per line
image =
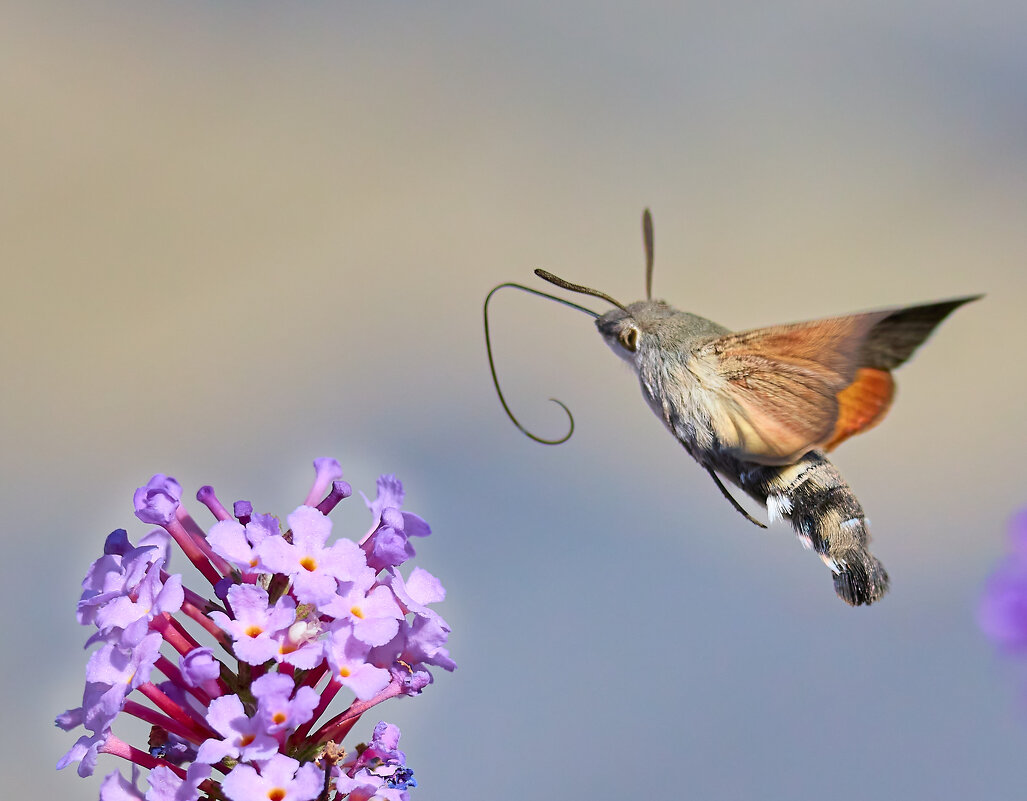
<point x="196" y="613"/>
<point x="120" y="748"/>
<point x="191" y="596"/>
<point x="167" y="667"/>
<point x="200" y="538"/>
<point x="209" y="498"/>
<point x="155" y="718"/>
<point x="339" y="726"/>
<point x="314" y="675"/>
<point x="173" y="633"/>
<point x="173" y="710"/>
<point x="256" y="671"/>
<point x="170" y="634"/>
<point x="370" y="531"/>
<point x="327" y="696"/>
<point x="187" y="542"/>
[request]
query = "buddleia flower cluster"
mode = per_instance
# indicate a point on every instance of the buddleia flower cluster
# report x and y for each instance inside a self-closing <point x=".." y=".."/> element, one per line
<point x="293" y="625"/>
<point x="1003" y="609"/>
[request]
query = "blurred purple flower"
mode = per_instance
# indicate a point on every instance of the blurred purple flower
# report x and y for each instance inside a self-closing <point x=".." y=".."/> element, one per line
<point x="1003" y="610"/>
<point x="302" y="621"/>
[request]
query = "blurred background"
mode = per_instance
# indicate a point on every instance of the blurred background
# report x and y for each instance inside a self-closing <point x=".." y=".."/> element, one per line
<point x="238" y="236"/>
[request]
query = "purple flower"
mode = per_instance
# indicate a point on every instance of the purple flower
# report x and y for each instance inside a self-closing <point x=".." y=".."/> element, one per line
<point x="347" y="656"/>
<point x="199" y="666"/>
<point x="374" y="615"/>
<point x="85" y="751"/>
<point x="368" y="786"/>
<point x="416" y="646"/>
<point x="326" y="471"/>
<point x="165" y="785"/>
<point x="315" y="570"/>
<point x="116" y="787"/>
<point x="142" y="601"/>
<point x="113" y="591"/>
<point x="280" y="778"/>
<point x="238" y="543"/>
<point x="158" y="501"/>
<point x="380" y="770"/>
<point x="282" y="706"/>
<point x="390" y="496"/>
<point x="388" y="542"/>
<point x="1003" y="609"/>
<point x="300" y="645"/>
<point x="243" y="738"/>
<point x="300" y="618"/>
<point x="421" y="589"/>
<point x="384" y="747"/>
<point x="111" y="674"/>
<point x="255" y="625"/>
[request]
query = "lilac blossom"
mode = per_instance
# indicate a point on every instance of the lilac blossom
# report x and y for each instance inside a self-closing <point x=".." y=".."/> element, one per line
<point x="199" y="666"/>
<point x="116" y="787"/>
<point x="158" y="501"/>
<point x="300" y="645"/>
<point x="374" y="614"/>
<point x="166" y="785"/>
<point x="347" y="656"/>
<point x="299" y="624"/>
<point x="281" y="705"/>
<point x="315" y="569"/>
<point x="280" y="777"/>
<point x="237" y="543"/>
<point x="1003" y="609"/>
<point x="243" y="738"/>
<point x="388" y="542"/>
<point x="379" y="770"/>
<point x="414" y="594"/>
<point x="255" y="624"/>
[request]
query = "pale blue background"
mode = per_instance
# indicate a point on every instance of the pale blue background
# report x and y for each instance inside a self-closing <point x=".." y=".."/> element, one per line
<point x="237" y="236"/>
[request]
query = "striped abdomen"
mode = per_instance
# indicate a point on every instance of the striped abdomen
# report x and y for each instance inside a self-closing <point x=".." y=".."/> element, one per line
<point x="825" y="514"/>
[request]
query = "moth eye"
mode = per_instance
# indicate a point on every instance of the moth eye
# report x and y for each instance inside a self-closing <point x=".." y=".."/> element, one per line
<point x="628" y="339"/>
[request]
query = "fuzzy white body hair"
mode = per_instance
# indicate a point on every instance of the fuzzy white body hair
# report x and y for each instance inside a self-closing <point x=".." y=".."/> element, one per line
<point x="676" y="383"/>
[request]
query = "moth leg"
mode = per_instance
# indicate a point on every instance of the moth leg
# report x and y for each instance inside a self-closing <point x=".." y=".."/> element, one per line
<point x="734" y="503"/>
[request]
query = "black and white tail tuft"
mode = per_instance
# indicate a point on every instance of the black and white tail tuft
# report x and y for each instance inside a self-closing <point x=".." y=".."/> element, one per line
<point x="828" y="519"/>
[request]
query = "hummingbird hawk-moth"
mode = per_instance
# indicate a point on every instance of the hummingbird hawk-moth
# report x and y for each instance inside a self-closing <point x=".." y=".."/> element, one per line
<point x="762" y="407"/>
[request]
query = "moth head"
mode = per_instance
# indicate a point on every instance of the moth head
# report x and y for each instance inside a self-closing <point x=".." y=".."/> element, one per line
<point x="621" y="331"/>
<point x="623" y="328"/>
<point x="635" y="329"/>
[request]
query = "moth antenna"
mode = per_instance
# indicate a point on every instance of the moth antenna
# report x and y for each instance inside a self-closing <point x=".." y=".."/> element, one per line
<point x="545" y="275"/>
<point x="492" y="363"/>
<point x="647" y="237"/>
<point x="730" y="497"/>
